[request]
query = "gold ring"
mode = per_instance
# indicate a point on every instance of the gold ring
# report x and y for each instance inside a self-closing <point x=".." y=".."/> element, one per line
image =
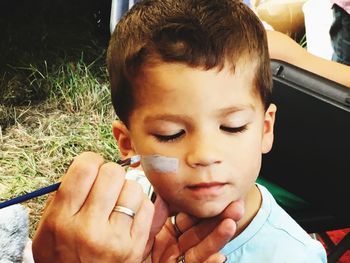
<point x="124" y="210"/>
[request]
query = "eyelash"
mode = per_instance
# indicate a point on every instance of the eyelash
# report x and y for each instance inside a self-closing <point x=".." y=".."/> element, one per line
<point x="174" y="137"/>
<point x="169" y="138"/>
<point x="234" y="129"/>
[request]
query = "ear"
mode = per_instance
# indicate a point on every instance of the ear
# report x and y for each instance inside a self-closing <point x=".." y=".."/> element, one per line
<point x="269" y="121"/>
<point x="122" y="135"/>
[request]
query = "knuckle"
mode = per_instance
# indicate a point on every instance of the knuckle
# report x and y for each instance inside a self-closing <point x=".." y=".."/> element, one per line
<point x="87" y="159"/>
<point x="83" y="166"/>
<point x="135" y="188"/>
<point x="89" y="155"/>
<point x="112" y="169"/>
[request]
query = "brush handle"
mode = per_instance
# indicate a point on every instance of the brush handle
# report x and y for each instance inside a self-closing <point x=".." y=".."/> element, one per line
<point x="49" y="189"/>
<point x="31" y="195"/>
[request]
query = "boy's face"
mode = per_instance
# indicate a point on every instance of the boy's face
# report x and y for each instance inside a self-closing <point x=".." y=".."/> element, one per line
<point x="211" y="121"/>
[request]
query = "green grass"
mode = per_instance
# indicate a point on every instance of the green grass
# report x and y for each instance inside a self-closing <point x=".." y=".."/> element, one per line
<point x="54" y="94"/>
<point x="303" y="42"/>
<point x="37" y="149"/>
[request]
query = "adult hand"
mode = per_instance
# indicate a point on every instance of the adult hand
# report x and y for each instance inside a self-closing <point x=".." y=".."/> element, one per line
<point x="79" y="224"/>
<point x="200" y="240"/>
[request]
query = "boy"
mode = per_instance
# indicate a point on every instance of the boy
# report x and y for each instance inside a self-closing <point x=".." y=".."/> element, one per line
<point x="191" y="80"/>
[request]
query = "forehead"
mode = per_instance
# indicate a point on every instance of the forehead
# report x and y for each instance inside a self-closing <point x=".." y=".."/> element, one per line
<point x="171" y="80"/>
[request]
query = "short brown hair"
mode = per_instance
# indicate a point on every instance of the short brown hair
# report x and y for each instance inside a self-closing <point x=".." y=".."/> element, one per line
<point x="199" y="33"/>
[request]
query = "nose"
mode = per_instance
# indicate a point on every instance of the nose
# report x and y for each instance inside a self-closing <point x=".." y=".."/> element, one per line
<point x="203" y="151"/>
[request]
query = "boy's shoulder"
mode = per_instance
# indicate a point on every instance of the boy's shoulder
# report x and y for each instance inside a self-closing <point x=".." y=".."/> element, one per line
<point x="273" y="236"/>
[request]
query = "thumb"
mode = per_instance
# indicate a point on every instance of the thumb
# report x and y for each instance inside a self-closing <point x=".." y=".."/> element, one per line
<point x="234" y="210"/>
<point x="161" y="213"/>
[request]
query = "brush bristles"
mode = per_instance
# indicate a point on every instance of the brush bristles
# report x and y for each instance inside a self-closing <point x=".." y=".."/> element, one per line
<point x="135" y="159"/>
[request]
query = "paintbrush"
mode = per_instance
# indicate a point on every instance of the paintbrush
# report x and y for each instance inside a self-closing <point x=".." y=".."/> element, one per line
<point x="51" y="188"/>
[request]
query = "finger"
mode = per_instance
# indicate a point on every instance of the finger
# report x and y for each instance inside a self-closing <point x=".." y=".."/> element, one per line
<point x="194" y="232"/>
<point x="141" y="226"/>
<point x="131" y="196"/>
<point x="161" y="213"/>
<point x="165" y="242"/>
<point x="77" y="182"/>
<point x="234" y="211"/>
<point x="185" y="222"/>
<point x="216" y="258"/>
<point x="211" y="244"/>
<point x="170" y="255"/>
<point x="105" y="191"/>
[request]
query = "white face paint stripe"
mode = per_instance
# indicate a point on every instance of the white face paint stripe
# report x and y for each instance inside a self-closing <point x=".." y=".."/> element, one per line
<point x="160" y="164"/>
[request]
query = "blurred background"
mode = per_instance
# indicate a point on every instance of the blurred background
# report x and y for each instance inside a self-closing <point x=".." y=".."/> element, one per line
<point x="54" y="94"/>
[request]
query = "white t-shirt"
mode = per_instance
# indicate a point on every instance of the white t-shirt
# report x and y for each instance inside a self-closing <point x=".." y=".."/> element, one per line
<point x="274" y="237"/>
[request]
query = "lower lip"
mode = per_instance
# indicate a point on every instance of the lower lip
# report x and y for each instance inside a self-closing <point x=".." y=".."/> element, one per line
<point x="206" y="191"/>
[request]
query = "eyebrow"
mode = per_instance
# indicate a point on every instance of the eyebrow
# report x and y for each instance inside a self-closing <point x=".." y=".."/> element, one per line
<point x="183" y="118"/>
<point x="229" y="110"/>
<point x="168" y="117"/>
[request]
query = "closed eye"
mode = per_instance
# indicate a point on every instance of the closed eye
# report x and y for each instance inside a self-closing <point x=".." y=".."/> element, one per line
<point x="169" y="138"/>
<point x="234" y="129"/>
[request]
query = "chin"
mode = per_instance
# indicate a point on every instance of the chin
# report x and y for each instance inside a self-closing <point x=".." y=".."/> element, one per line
<point x="203" y="211"/>
<point x="198" y="208"/>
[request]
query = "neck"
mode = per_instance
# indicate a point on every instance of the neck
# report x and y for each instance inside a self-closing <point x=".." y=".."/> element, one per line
<point x="252" y="205"/>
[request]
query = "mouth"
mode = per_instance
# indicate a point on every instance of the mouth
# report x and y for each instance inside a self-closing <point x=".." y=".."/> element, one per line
<point x="206" y="190"/>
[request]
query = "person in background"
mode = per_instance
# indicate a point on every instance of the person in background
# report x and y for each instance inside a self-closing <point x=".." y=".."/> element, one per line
<point x="279" y="42"/>
<point x="340" y="31"/>
<point x="284" y="48"/>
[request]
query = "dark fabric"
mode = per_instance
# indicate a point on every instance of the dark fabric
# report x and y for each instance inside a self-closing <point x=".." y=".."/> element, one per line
<point x="287" y="200"/>
<point x="340" y="35"/>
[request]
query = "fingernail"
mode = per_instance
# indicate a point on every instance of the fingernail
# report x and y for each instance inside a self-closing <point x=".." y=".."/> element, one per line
<point x="225" y="260"/>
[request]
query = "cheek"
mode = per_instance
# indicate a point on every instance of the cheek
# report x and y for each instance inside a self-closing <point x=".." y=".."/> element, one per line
<point x="247" y="151"/>
<point x="251" y="163"/>
<point x="247" y="160"/>
<point x="164" y="184"/>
